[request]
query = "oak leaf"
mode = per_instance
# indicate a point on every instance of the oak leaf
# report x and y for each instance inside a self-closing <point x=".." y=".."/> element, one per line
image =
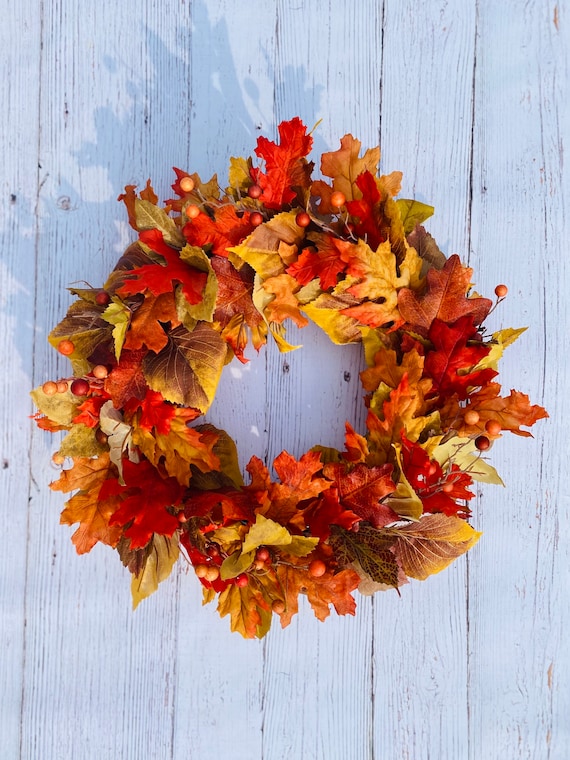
<point x="510" y="411"/>
<point x="285" y="166"/>
<point x="344" y="166"/>
<point x="322" y="592"/>
<point x="284" y="305"/>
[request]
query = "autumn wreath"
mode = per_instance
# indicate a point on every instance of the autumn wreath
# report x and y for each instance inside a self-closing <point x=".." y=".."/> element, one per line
<point x="212" y="269"/>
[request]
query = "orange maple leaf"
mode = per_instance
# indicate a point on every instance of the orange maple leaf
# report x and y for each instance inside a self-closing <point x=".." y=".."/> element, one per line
<point x="445" y="298"/>
<point x="321" y="592"/>
<point x="145" y="328"/>
<point x="86" y="508"/>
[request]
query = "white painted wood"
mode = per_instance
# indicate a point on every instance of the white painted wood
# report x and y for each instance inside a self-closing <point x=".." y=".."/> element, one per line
<point x="19" y="182"/>
<point x="518" y="581"/>
<point x="468" y="99"/>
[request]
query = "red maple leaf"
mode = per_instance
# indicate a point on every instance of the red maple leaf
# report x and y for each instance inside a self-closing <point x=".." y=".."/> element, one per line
<point x="155" y="412"/>
<point x="144" y="510"/>
<point x="458" y="348"/>
<point x="438" y="491"/>
<point x="224" y="230"/>
<point x="367" y="211"/>
<point x="161" y="278"/>
<point x="126" y="380"/>
<point x="284" y="164"/>
<point x="324" y="262"/>
<point x="90" y="409"/>
<point x="326" y="511"/>
<point x="361" y="490"/>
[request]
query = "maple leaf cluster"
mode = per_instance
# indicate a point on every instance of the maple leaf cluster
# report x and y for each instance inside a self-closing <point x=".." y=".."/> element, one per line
<point x="212" y="270"/>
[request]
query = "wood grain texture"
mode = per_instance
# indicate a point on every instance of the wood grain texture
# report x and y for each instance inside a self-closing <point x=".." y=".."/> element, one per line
<point x="18" y="238"/>
<point x="467" y="98"/>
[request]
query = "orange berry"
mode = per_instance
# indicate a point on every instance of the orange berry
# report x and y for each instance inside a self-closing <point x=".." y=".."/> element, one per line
<point x="482" y="443"/>
<point x="471" y="417"/>
<point x="262" y="554"/>
<point x="501" y="291"/>
<point x="58" y="458"/>
<point x="187" y="184"/>
<point x="303" y="219"/>
<point x="493" y="427"/>
<point x="66" y="347"/>
<point x="256" y="219"/>
<point x="447" y="487"/>
<point x="49" y="388"/>
<point x="100" y="371"/>
<point x="213" y="573"/>
<point x="317" y="568"/>
<point x="201" y="570"/>
<point x="62" y="386"/>
<point x="338" y="199"/>
<point x="278" y="606"/>
<point x="192" y="211"/>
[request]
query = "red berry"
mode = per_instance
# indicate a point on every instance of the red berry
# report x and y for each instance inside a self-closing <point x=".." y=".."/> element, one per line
<point x="317" y="568"/>
<point x="213" y="551"/>
<point x="482" y="443"/>
<point x="80" y="387"/>
<point x="66" y="347"/>
<point x="262" y="554"/>
<point x="187" y="184"/>
<point x="254" y="191"/>
<point x="501" y="291"/>
<point x="493" y="427"/>
<point x="242" y="580"/>
<point x="303" y="219"/>
<point x="102" y="298"/>
<point x="192" y="211"/>
<point x="338" y="199"/>
<point x="256" y="219"/>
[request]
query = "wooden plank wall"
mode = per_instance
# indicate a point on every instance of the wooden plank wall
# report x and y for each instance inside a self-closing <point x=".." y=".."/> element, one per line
<point x="469" y="99"/>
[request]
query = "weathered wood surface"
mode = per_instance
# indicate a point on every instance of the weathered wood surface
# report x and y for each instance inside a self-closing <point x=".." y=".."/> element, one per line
<point x="469" y="99"/>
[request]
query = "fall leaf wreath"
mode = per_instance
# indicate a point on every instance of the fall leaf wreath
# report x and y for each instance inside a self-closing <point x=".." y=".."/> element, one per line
<point x="213" y="269"/>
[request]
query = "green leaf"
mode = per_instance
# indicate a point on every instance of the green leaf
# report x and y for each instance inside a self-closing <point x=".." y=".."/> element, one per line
<point x="188" y="368"/>
<point x="158" y="566"/>
<point x="119" y="315"/>
<point x="151" y="217"/>
<point x="370" y="549"/>
<point x="412" y="213"/>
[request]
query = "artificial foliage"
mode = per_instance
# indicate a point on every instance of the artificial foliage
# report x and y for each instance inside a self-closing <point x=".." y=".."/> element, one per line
<point x="214" y="269"/>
